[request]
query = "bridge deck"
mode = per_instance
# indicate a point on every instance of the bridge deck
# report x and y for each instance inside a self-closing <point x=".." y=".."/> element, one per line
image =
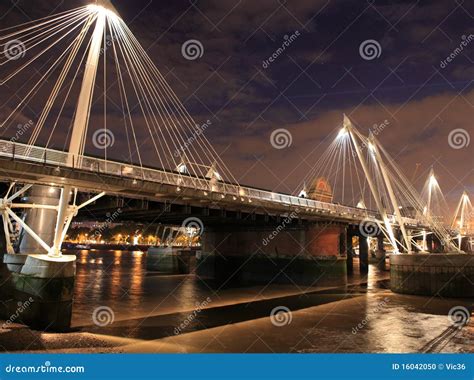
<point x="48" y="166"/>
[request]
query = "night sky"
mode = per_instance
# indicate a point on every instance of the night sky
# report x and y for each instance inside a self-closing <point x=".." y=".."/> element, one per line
<point x="320" y="75"/>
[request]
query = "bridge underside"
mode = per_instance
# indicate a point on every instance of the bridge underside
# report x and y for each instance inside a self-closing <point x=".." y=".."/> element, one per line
<point x="21" y="171"/>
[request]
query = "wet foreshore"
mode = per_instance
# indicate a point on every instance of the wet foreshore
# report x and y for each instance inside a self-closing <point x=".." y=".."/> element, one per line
<point x="120" y="307"/>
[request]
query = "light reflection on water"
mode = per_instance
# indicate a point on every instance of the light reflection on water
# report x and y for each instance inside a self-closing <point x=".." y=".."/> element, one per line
<point x="119" y="280"/>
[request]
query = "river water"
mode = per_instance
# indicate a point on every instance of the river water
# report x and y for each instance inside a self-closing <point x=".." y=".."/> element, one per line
<point x="361" y="316"/>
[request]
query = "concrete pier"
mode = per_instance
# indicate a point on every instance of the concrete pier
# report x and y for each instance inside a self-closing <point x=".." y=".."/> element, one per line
<point x="38" y="289"/>
<point x="446" y="275"/>
<point x="300" y="254"/>
<point x="45" y="285"/>
<point x="169" y="260"/>
<point x="363" y="255"/>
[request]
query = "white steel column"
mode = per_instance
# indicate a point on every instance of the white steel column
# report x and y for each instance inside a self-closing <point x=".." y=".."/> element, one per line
<point x="79" y="129"/>
<point x="388" y="184"/>
<point x="55" y="250"/>
<point x="81" y="120"/>
<point x="373" y="188"/>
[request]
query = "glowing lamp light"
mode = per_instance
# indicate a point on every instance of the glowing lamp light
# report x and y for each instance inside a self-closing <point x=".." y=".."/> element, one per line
<point x="101" y="10"/>
<point x="342" y="133"/>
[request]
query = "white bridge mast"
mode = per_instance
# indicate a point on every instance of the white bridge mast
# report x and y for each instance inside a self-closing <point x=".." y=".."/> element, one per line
<point x="383" y="213"/>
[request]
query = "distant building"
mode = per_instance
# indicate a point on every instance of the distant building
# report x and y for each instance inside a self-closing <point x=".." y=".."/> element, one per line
<point x="320" y="190"/>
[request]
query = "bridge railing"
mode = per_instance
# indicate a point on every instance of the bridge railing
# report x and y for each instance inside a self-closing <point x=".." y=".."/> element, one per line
<point x="18" y="151"/>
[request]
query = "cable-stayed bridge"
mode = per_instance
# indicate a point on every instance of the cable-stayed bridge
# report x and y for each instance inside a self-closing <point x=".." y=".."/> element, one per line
<point x="97" y="88"/>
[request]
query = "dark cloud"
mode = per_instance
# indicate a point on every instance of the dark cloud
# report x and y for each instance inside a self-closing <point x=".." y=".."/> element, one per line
<point x="313" y="81"/>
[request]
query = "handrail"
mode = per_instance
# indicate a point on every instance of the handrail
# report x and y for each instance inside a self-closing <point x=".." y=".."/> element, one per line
<point x="45" y="156"/>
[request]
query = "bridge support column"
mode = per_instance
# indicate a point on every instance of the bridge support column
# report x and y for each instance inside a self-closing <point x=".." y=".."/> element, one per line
<point x="399" y="238"/>
<point x="429" y="242"/>
<point x="465" y="244"/>
<point x="380" y="253"/>
<point x="35" y="277"/>
<point x="308" y="254"/>
<point x="437" y="246"/>
<point x="40" y="220"/>
<point x="349" y="252"/>
<point x="363" y="255"/>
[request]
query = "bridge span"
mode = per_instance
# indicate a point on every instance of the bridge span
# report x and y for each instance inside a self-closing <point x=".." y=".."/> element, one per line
<point x="254" y="234"/>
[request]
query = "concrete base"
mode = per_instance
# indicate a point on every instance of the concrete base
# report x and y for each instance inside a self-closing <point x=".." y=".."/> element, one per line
<point x="446" y="275"/>
<point x="169" y="260"/>
<point x="260" y="269"/>
<point x="39" y="292"/>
